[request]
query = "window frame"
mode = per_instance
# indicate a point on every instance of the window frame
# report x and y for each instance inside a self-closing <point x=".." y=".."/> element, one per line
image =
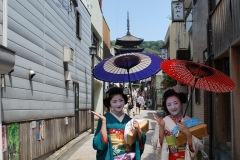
<point x="78" y="25"/>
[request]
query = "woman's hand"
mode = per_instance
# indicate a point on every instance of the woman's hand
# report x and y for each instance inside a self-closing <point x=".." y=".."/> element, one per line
<point x="159" y="120"/>
<point x="103" y="127"/>
<point x="136" y="125"/>
<point x="161" y="128"/>
<point x="182" y="127"/>
<point x="99" y="115"/>
<point x="138" y="129"/>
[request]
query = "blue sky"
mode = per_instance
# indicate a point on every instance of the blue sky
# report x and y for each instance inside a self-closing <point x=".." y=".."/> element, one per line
<point x="149" y="19"/>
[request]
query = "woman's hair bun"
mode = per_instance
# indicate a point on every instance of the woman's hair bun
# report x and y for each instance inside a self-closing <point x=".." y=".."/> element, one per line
<point x="111" y="92"/>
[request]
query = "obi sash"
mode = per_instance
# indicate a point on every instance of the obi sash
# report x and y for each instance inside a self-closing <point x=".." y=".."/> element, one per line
<point x="118" y="143"/>
<point x="175" y="153"/>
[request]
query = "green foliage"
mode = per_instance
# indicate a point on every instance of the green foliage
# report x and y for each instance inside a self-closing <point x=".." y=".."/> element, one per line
<point x="13" y="141"/>
<point x="170" y="82"/>
<point x="152" y="46"/>
<point x="113" y="43"/>
<point x="149" y="46"/>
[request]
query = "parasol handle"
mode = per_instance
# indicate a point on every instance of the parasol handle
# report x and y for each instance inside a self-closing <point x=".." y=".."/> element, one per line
<point x="190" y="98"/>
<point x="130" y="86"/>
<point x="192" y="89"/>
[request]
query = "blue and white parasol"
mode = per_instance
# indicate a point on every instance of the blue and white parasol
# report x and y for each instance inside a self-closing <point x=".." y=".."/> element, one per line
<point x="128" y="67"/>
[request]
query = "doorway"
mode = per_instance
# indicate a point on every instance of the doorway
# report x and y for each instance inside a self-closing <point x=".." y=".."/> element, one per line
<point x="76" y="104"/>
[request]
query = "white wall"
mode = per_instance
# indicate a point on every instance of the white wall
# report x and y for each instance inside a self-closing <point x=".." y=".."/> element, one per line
<point x="97" y="28"/>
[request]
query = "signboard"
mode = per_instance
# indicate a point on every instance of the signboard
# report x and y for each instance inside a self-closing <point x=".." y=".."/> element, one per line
<point x="164" y="54"/>
<point x="177" y="11"/>
<point x="40" y="130"/>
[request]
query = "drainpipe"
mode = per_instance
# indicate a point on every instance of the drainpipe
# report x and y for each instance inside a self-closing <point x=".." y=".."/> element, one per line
<point x="1" y="153"/>
<point x="5" y="24"/>
<point x="209" y="62"/>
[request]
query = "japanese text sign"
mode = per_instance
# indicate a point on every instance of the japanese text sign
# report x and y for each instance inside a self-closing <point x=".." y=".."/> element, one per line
<point x="177" y="11"/>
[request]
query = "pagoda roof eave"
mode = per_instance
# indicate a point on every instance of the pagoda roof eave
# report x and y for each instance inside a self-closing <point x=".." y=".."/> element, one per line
<point x="128" y="39"/>
<point x="128" y="50"/>
<point x="127" y="43"/>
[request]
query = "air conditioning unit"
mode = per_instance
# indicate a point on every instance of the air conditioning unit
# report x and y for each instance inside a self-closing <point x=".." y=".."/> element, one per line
<point x="67" y="54"/>
<point x="183" y="54"/>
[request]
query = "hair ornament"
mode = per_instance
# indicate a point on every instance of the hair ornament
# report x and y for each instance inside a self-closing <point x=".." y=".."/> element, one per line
<point x="177" y="88"/>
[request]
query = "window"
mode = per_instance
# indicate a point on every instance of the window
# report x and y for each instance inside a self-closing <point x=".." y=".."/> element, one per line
<point x="194" y="2"/>
<point x="95" y="41"/>
<point x="79" y="26"/>
<point x="189" y="21"/>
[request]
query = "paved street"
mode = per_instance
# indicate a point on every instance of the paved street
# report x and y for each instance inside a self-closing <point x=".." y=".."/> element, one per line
<point x="81" y="147"/>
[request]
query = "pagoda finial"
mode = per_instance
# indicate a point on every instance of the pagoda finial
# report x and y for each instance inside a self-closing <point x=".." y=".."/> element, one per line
<point x="128" y="25"/>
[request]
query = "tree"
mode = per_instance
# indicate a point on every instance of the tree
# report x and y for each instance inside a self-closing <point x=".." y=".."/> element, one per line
<point x="149" y="46"/>
<point x="168" y="82"/>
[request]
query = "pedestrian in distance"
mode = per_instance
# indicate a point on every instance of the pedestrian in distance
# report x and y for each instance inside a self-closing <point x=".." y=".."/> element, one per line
<point x="172" y="104"/>
<point x="129" y="106"/>
<point x="143" y="102"/>
<point x="109" y="136"/>
<point x="139" y="103"/>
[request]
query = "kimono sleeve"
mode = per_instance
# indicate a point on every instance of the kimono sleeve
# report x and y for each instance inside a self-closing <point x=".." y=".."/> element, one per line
<point x="197" y="145"/>
<point x="98" y="141"/>
<point x="164" y="150"/>
<point x="139" y="146"/>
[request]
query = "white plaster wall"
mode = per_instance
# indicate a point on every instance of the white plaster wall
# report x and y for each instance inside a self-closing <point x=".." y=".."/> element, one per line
<point x="93" y="8"/>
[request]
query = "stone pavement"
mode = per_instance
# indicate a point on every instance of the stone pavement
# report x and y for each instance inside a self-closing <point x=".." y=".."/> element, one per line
<point x="81" y="147"/>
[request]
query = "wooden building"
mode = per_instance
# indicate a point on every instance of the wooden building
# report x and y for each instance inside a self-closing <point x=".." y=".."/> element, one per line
<point x="224" y="45"/>
<point x="210" y="31"/>
<point x="214" y="38"/>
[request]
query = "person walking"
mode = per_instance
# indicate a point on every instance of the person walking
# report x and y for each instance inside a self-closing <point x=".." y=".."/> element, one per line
<point x="139" y="102"/>
<point x="109" y="136"/>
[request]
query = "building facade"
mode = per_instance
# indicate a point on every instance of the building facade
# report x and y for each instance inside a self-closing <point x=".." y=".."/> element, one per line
<point x="223" y="43"/>
<point x="46" y="96"/>
<point x="212" y="39"/>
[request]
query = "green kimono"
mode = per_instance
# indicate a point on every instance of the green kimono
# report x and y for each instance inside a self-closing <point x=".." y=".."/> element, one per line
<point x="115" y="130"/>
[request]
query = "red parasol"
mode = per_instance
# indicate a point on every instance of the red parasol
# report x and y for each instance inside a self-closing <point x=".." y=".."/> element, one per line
<point x="197" y="75"/>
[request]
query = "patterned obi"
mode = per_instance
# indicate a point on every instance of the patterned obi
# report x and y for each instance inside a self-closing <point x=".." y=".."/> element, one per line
<point x="176" y="153"/>
<point x="119" y="145"/>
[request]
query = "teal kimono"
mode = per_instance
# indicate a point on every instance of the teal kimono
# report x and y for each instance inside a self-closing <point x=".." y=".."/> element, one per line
<point x="115" y="130"/>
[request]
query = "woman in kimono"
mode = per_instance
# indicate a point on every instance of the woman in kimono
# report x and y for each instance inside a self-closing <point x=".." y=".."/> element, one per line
<point x="109" y="136"/>
<point x="172" y="103"/>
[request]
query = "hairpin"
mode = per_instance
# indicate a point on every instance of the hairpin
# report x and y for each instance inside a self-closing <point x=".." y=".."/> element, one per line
<point x="177" y="88"/>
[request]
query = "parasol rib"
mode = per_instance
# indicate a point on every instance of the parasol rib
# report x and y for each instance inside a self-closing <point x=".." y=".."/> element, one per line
<point x="196" y="77"/>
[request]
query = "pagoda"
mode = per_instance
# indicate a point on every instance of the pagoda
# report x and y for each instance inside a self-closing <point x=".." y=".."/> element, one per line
<point x="128" y="43"/>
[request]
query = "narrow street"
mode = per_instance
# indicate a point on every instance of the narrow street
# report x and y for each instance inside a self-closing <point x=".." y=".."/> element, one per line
<point x="82" y="149"/>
